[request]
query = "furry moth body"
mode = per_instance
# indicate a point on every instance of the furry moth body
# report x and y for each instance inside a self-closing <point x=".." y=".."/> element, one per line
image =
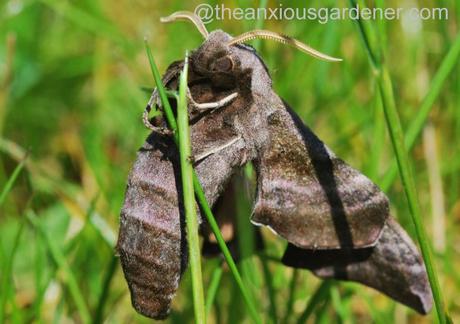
<point x="335" y="219"/>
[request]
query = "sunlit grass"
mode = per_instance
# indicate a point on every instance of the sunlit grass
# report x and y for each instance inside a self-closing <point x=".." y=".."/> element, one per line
<point x="385" y="85"/>
<point x="70" y="94"/>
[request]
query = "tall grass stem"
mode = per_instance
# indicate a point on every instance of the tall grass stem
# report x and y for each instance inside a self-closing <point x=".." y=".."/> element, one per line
<point x="191" y="219"/>
<point x="385" y="86"/>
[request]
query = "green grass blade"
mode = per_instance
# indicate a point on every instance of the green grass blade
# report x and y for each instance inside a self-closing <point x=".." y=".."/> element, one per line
<point x="101" y="226"/>
<point x="378" y="140"/>
<point x="339" y="306"/>
<point x="58" y="313"/>
<point x="246" y="237"/>
<point x="270" y="288"/>
<point x="200" y="196"/>
<point x="213" y="286"/>
<point x="417" y="124"/>
<point x="321" y="294"/>
<point x="191" y="219"/>
<point x="103" y="298"/>
<point x="61" y="262"/>
<point x="7" y="275"/>
<point x="397" y="139"/>
<point x="8" y="265"/>
<point x="11" y="180"/>
<point x="162" y="93"/>
<point x="291" y="298"/>
<point x="225" y="251"/>
<point x="89" y="22"/>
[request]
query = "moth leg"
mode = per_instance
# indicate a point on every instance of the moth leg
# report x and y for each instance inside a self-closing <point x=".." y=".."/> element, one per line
<point x="145" y="116"/>
<point x="214" y="150"/>
<point x="210" y="105"/>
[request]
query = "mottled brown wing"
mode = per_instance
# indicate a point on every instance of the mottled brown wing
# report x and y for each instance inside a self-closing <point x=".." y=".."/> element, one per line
<point x="309" y="196"/>
<point x="393" y="266"/>
<point x="151" y="243"/>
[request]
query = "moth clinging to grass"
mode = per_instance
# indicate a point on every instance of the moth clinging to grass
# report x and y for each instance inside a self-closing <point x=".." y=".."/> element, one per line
<point x="337" y="222"/>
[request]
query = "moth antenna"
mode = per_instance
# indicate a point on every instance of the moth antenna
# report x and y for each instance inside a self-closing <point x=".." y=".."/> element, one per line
<point x="266" y="34"/>
<point x="187" y="15"/>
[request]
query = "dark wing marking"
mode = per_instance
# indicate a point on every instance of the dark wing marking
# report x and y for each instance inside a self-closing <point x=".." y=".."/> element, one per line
<point x="309" y="196"/>
<point x="393" y="266"/>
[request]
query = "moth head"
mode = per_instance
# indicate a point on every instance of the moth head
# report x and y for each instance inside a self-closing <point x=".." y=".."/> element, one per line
<point x="218" y="61"/>
<point x="214" y="59"/>
<point x="219" y="57"/>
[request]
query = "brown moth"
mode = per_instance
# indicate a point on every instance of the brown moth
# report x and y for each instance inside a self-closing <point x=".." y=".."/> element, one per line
<point x="337" y="222"/>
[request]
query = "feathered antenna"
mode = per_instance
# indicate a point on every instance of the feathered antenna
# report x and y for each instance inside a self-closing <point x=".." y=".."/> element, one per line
<point x="266" y="34"/>
<point x="187" y="15"/>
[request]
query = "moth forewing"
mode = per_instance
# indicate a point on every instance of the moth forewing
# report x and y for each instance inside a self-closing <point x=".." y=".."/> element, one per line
<point x="309" y="196"/>
<point x="151" y="242"/>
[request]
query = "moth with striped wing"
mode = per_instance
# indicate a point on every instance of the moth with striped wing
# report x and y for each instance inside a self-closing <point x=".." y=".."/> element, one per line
<point x="337" y="222"/>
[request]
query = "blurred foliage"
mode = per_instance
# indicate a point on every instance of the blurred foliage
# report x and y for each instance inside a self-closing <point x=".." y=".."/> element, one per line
<point x="71" y="78"/>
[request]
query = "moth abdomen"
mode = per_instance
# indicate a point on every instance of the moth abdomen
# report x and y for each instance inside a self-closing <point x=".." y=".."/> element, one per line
<point x="151" y="243"/>
<point x="151" y="265"/>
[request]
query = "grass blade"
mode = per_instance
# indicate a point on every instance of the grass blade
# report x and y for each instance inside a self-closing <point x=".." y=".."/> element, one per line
<point x="11" y="180"/>
<point x="397" y="139"/>
<point x="339" y="306"/>
<point x="246" y="236"/>
<point x="291" y="298"/>
<point x="162" y="93"/>
<point x="200" y="196"/>
<point x="7" y="275"/>
<point x="112" y="268"/>
<point x="89" y="22"/>
<point x="270" y="289"/>
<point x="321" y="294"/>
<point x="225" y="251"/>
<point x="213" y="286"/>
<point x="191" y="219"/>
<point x="417" y="124"/>
<point x="8" y="265"/>
<point x="61" y="262"/>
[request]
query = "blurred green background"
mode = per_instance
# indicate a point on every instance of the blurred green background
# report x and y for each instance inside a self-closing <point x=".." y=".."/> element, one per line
<point x="71" y="79"/>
